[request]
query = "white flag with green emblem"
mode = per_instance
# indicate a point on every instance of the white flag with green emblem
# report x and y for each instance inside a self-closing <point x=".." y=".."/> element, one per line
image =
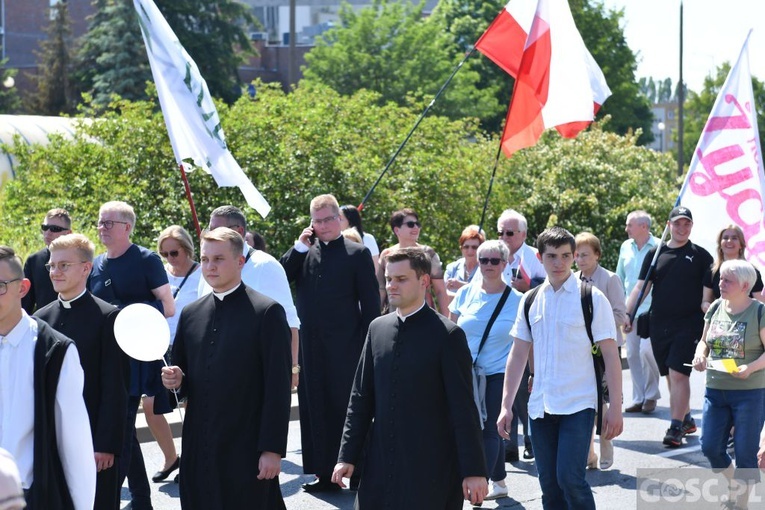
<point x="190" y="114"/>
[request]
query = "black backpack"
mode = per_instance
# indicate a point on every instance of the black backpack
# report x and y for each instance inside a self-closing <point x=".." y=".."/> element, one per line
<point x="597" y="357"/>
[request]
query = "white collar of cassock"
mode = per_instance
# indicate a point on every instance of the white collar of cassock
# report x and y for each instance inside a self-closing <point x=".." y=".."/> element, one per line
<point x="68" y="303"/>
<point x="404" y="317"/>
<point x="221" y="295"/>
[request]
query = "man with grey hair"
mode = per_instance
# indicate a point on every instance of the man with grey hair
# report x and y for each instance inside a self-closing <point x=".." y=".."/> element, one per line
<point x="643" y="369"/>
<point x="261" y="272"/>
<point x="124" y="275"/>
<point x="524" y="270"/>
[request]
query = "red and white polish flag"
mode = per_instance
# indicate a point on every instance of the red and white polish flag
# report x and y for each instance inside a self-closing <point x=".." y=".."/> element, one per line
<point x="725" y="183"/>
<point x="557" y="82"/>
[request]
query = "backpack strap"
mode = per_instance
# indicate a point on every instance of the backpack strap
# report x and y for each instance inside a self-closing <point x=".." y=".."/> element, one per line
<point x="585" y="290"/>
<point x="530" y="296"/>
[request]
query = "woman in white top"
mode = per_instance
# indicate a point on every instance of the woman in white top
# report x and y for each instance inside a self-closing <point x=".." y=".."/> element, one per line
<point x="351" y="217"/>
<point x="175" y="246"/>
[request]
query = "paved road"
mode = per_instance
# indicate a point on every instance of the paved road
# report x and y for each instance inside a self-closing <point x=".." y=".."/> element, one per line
<point x="638" y="447"/>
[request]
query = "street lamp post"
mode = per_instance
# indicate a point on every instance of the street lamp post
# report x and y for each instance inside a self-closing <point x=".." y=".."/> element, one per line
<point x="661" y="127"/>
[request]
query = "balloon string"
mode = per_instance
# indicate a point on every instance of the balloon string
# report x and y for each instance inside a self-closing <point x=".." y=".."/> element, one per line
<point x="175" y="394"/>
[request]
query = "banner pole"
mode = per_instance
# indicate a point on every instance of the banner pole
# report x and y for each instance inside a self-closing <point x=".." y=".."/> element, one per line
<point x="191" y="201"/>
<point x="422" y="116"/>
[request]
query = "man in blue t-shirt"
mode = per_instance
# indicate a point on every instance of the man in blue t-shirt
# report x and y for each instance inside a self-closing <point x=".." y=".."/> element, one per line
<point x="124" y="275"/>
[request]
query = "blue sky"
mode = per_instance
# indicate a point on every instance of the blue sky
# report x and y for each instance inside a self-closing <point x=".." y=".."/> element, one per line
<point x="714" y="31"/>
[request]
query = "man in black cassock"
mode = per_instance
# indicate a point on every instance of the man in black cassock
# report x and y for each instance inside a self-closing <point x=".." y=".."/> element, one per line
<point x="414" y="381"/>
<point x="234" y="365"/>
<point x="89" y="321"/>
<point x="337" y="298"/>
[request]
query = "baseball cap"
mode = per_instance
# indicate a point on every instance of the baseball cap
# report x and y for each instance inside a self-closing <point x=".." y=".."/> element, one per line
<point x="680" y="212"/>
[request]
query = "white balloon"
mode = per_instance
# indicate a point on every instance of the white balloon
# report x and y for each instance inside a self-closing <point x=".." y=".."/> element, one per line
<point x="142" y="332"/>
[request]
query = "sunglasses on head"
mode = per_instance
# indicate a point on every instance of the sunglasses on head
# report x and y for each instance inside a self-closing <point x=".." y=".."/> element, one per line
<point x="53" y="228"/>
<point x="412" y="224"/>
<point x="494" y="260"/>
<point x="171" y="253"/>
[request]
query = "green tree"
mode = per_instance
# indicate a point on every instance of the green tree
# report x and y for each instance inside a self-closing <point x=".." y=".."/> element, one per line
<point x="295" y="146"/>
<point x="10" y="102"/>
<point x="698" y="106"/>
<point x="601" y="29"/>
<point x="113" y="59"/>
<point x="391" y="49"/>
<point x="54" y="92"/>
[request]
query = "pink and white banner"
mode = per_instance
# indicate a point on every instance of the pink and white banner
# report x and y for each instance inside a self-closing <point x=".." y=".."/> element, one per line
<point x="725" y="183"/>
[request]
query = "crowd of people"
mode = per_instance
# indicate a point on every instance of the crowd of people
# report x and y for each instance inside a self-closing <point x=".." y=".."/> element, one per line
<point x="380" y="346"/>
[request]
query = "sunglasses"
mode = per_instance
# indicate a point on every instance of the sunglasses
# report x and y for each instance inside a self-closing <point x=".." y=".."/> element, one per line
<point x="469" y="246"/>
<point x="508" y="233"/>
<point x="485" y="260"/>
<point x="171" y="253"/>
<point x="412" y="224"/>
<point x="53" y="228"/>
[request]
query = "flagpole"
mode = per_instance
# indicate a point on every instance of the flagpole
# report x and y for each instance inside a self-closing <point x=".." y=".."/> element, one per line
<point x="491" y="184"/>
<point x="680" y="102"/>
<point x="422" y="116"/>
<point x="191" y="201"/>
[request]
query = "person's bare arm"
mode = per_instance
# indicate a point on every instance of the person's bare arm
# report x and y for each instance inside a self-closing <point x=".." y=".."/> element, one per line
<point x="165" y="295"/>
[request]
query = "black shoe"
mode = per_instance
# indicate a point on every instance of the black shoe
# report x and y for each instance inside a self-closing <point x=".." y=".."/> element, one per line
<point x="673" y="437"/>
<point x="528" y="453"/>
<point x="320" y="485"/>
<point x="161" y="475"/>
<point x="689" y="426"/>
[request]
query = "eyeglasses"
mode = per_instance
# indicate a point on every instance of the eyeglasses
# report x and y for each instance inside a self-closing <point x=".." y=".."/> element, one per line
<point x="61" y="266"/>
<point x="171" y="253"/>
<point x="53" y="228"/>
<point x="485" y="260"/>
<point x="508" y="233"/>
<point x="4" y="285"/>
<point x="109" y="224"/>
<point x="412" y="224"/>
<point x="323" y="221"/>
<point x="469" y="246"/>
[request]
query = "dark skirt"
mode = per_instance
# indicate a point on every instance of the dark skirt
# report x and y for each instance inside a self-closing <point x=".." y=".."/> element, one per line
<point x="146" y="379"/>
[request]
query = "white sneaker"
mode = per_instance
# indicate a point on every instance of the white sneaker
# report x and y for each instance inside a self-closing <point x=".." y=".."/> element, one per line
<point x="496" y="492"/>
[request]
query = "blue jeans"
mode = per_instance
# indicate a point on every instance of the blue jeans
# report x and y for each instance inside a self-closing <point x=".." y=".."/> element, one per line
<point x="493" y="447"/>
<point x="742" y="409"/>
<point x="561" y="445"/>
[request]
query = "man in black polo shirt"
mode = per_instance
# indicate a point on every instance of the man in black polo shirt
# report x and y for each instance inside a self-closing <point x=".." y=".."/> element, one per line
<point x="676" y="317"/>
<point x="57" y="223"/>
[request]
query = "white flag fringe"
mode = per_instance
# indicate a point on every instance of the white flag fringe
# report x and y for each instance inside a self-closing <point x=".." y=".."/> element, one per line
<point x="725" y="183"/>
<point x="190" y="114"/>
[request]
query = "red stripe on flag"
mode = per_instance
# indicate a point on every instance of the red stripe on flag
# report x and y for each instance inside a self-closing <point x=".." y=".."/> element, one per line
<point x="524" y="123"/>
<point x="503" y="42"/>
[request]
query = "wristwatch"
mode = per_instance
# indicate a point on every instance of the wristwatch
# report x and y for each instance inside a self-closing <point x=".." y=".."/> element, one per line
<point x="295" y="369"/>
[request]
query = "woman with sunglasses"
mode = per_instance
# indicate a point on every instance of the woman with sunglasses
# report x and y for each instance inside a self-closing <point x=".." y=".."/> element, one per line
<point x="472" y="309"/>
<point x="730" y="246"/>
<point x="587" y="257"/>
<point x="406" y="226"/>
<point x="176" y="247"/>
<point x="462" y="270"/>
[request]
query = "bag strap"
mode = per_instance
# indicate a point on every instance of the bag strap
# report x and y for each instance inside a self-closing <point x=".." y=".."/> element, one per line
<point x="193" y="267"/>
<point x="530" y="296"/>
<point x="493" y="318"/>
<point x="587" y="310"/>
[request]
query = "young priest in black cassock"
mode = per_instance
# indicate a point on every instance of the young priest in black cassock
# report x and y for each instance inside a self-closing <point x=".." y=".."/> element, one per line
<point x="414" y="381"/>
<point x="234" y="363"/>
<point x="89" y="321"/>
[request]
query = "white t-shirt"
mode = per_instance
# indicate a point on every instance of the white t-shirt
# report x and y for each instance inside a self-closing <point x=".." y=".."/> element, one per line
<point x="188" y="293"/>
<point x="371" y="244"/>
